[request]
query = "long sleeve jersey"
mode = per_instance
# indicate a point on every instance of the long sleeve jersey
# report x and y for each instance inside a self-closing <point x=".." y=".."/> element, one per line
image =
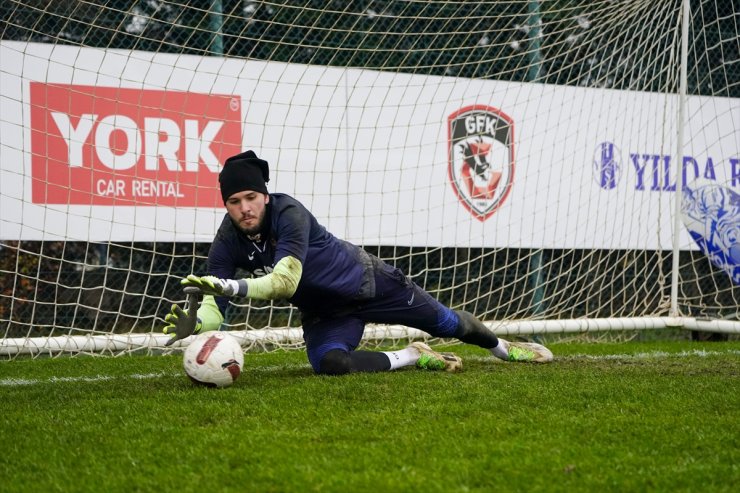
<point x="335" y="272"/>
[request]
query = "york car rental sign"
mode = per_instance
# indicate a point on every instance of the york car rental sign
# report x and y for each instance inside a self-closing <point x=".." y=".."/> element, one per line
<point x="102" y="146"/>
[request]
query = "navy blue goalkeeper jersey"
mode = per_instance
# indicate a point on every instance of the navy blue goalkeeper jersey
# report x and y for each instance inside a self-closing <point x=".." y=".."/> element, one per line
<point x="335" y="272"/>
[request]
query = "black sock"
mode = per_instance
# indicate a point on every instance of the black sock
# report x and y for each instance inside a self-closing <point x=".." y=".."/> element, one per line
<point x="369" y="361"/>
<point x="472" y="331"/>
<point x="339" y="362"/>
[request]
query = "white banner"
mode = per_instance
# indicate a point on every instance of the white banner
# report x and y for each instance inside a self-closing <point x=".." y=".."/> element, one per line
<point x="111" y="145"/>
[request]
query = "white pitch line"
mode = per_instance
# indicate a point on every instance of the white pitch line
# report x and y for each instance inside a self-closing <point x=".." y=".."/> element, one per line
<point x="18" y="382"/>
<point x="655" y="355"/>
<point x="635" y="356"/>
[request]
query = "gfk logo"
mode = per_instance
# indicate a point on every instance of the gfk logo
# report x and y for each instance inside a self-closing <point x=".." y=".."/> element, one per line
<point x="105" y="146"/>
<point x="481" y="152"/>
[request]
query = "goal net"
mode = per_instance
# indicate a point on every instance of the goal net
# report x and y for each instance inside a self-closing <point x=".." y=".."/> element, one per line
<point x="551" y="166"/>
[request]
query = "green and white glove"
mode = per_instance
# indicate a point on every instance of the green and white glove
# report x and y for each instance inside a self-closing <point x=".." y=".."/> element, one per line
<point x="182" y="323"/>
<point x="217" y="287"/>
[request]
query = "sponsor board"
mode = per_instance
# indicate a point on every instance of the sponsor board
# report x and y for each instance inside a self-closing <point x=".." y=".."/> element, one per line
<point x="95" y="145"/>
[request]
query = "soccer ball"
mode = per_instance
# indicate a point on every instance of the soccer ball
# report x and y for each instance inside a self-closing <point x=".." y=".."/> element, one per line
<point x="214" y="359"/>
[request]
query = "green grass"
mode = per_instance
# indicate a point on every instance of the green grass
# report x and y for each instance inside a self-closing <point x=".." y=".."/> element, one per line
<point x="660" y="416"/>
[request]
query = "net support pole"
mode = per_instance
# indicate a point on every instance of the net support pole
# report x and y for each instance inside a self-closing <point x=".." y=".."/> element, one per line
<point x="534" y="73"/>
<point x="679" y="157"/>
<point x="216" y="24"/>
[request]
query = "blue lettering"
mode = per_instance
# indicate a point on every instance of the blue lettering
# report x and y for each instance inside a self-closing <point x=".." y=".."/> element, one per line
<point x="640" y="185"/>
<point x="656" y="179"/>
<point x="667" y="186"/>
<point x="662" y="179"/>
<point x="686" y="161"/>
<point x="709" y="169"/>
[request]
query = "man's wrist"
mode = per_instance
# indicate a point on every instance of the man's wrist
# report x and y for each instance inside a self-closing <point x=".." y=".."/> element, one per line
<point x="241" y="288"/>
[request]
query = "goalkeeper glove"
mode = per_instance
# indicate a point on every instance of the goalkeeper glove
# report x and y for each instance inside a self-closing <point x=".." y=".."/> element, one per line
<point x="182" y="323"/>
<point x="217" y="287"/>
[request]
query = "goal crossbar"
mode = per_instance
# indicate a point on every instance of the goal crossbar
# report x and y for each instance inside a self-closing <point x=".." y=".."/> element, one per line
<point x="262" y="338"/>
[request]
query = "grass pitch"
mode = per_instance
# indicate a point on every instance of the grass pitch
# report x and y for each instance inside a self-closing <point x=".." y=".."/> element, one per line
<point x="662" y="416"/>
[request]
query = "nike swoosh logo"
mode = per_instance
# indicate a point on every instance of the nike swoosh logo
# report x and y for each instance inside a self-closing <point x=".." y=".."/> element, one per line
<point x="251" y="256"/>
<point x="412" y="299"/>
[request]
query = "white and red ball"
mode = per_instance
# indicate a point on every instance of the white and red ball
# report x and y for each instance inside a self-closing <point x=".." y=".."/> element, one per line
<point x="214" y="359"/>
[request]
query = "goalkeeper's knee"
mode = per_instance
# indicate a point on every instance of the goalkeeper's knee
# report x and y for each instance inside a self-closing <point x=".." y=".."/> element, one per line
<point x="470" y="330"/>
<point x="335" y="362"/>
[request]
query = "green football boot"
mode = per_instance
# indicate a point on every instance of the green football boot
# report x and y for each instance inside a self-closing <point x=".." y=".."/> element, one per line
<point x="528" y="351"/>
<point x="430" y="359"/>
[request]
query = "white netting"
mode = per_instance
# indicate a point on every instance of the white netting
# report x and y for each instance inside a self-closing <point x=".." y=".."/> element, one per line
<point x="518" y="159"/>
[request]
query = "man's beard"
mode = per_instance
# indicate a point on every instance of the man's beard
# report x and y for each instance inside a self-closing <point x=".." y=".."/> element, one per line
<point x="256" y="229"/>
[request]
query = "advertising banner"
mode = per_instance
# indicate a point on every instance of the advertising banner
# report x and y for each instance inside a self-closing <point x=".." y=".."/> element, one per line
<point x="107" y="146"/>
<point x="115" y="145"/>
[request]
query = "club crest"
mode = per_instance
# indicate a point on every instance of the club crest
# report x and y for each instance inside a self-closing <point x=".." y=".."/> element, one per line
<point x="607" y="165"/>
<point x="481" y="158"/>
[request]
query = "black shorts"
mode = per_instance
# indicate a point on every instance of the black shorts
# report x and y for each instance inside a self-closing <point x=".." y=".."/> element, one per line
<point x="397" y="300"/>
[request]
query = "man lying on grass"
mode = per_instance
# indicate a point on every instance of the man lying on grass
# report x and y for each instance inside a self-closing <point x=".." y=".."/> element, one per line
<point x="337" y="286"/>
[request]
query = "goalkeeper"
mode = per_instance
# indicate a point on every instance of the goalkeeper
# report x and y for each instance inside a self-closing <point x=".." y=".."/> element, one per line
<point x="337" y="286"/>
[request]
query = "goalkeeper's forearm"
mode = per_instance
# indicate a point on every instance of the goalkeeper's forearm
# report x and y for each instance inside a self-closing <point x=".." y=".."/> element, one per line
<point x="281" y="283"/>
<point x="209" y="314"/>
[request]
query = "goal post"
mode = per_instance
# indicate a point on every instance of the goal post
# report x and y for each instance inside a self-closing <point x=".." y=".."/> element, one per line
<point x="553" y="167"/>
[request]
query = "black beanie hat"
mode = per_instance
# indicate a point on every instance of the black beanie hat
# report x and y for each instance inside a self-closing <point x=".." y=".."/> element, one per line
<point x="244" y="171"/>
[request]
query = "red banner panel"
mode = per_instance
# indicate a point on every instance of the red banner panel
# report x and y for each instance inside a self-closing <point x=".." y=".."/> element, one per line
<point x="136" y="147"/>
